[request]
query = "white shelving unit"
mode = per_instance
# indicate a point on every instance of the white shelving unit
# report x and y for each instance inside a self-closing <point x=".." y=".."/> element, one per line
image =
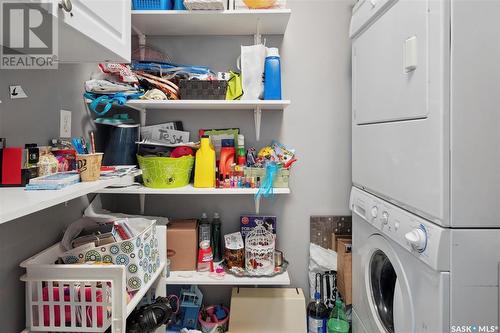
<point x="17" y="202"/>
<point x="202" y="23"/>
<point x="204" y="278"/>
<point x="187" y="190"/>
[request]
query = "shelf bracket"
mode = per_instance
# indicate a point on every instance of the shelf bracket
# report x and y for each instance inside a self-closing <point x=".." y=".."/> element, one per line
<point x="142" y="203"/>
<point x="142" y="115"/>
<point x="142" y="42"/>
<point x="257" y="37"/>
<point x="257" y="116"/>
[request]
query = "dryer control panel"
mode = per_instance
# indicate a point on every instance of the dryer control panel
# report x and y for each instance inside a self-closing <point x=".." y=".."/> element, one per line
<point x="425" y="240"/>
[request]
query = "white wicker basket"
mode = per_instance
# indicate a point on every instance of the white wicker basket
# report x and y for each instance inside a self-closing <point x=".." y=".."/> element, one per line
<point x="83" y="298"/>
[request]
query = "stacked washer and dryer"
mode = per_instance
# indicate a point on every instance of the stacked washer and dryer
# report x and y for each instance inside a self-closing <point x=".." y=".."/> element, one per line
<point x="426" y="165"/>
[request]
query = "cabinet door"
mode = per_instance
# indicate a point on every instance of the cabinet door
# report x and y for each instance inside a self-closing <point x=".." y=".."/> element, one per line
<point x="95" y="31"/>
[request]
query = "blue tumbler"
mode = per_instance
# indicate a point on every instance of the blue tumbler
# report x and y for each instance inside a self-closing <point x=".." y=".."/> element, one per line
<point x="272" y="75"/>
<point x="179" y="5"/>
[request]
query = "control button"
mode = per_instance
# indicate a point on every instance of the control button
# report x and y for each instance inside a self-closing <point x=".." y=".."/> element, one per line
<point x="417" y="239"/>
<point x="385" y="217"/>
<point x="374" y="211"/>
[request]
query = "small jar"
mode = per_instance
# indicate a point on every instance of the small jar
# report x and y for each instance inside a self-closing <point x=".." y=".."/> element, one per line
<point x="47" y="162"/>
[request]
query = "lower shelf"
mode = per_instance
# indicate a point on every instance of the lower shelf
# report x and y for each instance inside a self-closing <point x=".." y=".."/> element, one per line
<point x="204" y="278"/>
<point x="189" y="189"/>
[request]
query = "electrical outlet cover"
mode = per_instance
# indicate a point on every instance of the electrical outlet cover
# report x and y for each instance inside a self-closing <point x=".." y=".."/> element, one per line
<point x="65" y="124"/>
<point x="17" y="92"/>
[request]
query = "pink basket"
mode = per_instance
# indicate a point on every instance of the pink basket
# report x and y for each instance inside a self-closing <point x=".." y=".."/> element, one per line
<point x="208" y="327"/>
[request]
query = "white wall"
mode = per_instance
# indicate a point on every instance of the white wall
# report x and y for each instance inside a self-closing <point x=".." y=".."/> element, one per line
<point x="316" y="77"/>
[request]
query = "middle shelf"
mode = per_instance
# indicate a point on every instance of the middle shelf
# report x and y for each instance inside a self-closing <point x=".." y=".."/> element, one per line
<point x="203" y="278"/>
<point x="189" y="189"/>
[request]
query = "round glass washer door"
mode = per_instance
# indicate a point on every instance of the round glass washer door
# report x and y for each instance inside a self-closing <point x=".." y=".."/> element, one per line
<point x="387" y="289"/>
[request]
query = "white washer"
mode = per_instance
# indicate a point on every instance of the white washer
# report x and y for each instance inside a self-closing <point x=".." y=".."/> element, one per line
<point x="413" y="276"/>
<point x="426" y="78"/>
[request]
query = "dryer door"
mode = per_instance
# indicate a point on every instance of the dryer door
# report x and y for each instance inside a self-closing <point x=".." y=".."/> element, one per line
<point x="400" y="107"/>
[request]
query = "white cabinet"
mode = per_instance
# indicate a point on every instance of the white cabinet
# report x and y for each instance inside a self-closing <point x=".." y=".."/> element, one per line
<point x="94" y="30"/>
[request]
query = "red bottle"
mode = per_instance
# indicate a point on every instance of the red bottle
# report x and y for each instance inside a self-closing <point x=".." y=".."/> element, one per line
<point x="227" y="154"/>
<point x="205" y="257"/>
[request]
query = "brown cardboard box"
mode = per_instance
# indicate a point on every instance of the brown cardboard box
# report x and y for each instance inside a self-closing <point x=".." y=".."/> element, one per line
<point x="182" y="244"/>
<point x="344" y="270"/>
<point x="337" y="238"/>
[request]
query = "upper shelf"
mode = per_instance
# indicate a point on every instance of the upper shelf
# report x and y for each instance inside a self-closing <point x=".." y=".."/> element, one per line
<point x="192" y="23"/>
<point x="16" y="202"/>
<point x="209" y="104"/>
<point x="189" y="189"/>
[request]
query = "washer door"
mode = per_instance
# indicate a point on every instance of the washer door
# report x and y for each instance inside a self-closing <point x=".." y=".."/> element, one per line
<point x="387" y="291"/>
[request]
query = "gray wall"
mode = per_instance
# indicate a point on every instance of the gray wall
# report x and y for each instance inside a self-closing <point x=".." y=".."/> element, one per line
<point x="316" y="77"/>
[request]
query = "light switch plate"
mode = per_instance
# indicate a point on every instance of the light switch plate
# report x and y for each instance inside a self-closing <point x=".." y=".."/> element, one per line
<point x="16" y="92"/>
<point x="65" y="124"/>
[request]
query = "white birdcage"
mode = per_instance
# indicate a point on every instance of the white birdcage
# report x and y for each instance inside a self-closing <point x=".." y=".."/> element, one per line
<point x="259" y="251"/>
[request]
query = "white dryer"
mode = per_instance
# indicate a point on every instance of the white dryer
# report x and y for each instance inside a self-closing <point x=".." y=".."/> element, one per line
<point x="426" y="117"/>
<point x="413" y="276"/>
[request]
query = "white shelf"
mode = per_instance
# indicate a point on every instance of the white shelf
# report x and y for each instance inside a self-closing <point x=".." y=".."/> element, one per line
<point x="208" y="104"/>
<point x="198" y="278"/>
<point x="189" y="189"/>
<point x="230" y="22"/>
<point x="16" y="202"/>
<point x="141" y="292"/>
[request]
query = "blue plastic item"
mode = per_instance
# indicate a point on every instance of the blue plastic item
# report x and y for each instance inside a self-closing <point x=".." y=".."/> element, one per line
<point x="190" y="304"/>
<point x="272" y="75"/>
<point x="152" y="4"/>
<point x="179" y="5"/>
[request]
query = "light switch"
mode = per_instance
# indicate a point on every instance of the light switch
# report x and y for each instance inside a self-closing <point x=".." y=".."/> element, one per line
<point x="410" y="54"/>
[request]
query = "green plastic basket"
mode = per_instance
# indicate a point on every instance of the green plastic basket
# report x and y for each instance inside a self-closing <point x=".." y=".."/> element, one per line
<point x="166" y="172"/>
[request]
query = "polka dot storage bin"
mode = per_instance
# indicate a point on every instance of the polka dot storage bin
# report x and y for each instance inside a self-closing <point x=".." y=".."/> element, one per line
<point x="140" y="254"/>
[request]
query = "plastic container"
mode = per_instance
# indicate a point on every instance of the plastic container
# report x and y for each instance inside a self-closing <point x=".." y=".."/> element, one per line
<point x="216" y="238"/>
<point x="152" y="4"/>
<point x="204" y="173"/>
<point x="282" y="177"/>
<point x="69" y="298"/>
<point x="217" y="326"/>
<point x="166" y="172"/>
<point x="117" y="142"/>
<point x="204" y="229"/>
<point x="338" y="320"/>
<point x="205" y="258"/>
<point x="317" y="315"/>
<point x="272" y="75"/>
<point x="241" y="153"/>
<point x="179" y="5"/>
<point x="227" y="155"/>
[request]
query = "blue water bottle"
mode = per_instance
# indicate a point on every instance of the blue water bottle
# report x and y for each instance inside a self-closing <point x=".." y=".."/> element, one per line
<point x="272" y="74"/>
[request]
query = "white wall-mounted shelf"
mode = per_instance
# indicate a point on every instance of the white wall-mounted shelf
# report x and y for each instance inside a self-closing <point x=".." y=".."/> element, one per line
<point x="186" y="190"/>
<point x="204" y="278"/>
<point x="229" y="22"/>
<point x="16" y="202"/>
<point x="208" y="104"/>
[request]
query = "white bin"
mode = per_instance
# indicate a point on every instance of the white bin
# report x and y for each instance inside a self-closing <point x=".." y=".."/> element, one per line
<point x="86" y="297"/>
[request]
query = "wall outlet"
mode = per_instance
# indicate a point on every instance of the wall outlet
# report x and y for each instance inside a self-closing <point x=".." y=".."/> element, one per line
<point x="65" y="124"/>
<point x="17" y="92"/>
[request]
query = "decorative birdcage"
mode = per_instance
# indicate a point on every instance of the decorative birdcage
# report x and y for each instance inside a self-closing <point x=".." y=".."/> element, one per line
<point x="259" y="251"/>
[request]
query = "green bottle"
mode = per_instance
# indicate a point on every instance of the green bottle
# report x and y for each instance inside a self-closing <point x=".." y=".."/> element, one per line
<point x="337" y="323"/>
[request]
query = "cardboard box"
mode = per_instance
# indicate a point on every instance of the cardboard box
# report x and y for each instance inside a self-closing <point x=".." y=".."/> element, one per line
<point x="182" y="244"/>
<point x="249" y="222"/>
<point x="337" y="238"/>
<point x="344" y="270"/>
<point x="267" y="310"/>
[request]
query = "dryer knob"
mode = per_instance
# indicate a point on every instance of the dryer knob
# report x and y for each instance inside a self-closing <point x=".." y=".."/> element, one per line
<point x="417" y="239"/>
<point x="374" y="211"/>
<point x="385" y="218"/>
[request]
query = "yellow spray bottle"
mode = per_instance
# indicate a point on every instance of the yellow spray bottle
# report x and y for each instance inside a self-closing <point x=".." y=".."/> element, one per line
<point x="204" y="170"/>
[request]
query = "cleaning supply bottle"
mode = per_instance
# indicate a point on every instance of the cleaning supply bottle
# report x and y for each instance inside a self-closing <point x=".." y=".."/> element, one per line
<point x="317" y="315"/>
<point x="204" y="170"/>
<point x="317" y="311"/>
<point x="204" y="229"/>
<point x="205" y="257"/>
<point x="216" y="238"/>
<point x="337" y="323"/>
<point x="227" y="153"/>
<point x="241" y="153"/>
<point x="272" y="74"/>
